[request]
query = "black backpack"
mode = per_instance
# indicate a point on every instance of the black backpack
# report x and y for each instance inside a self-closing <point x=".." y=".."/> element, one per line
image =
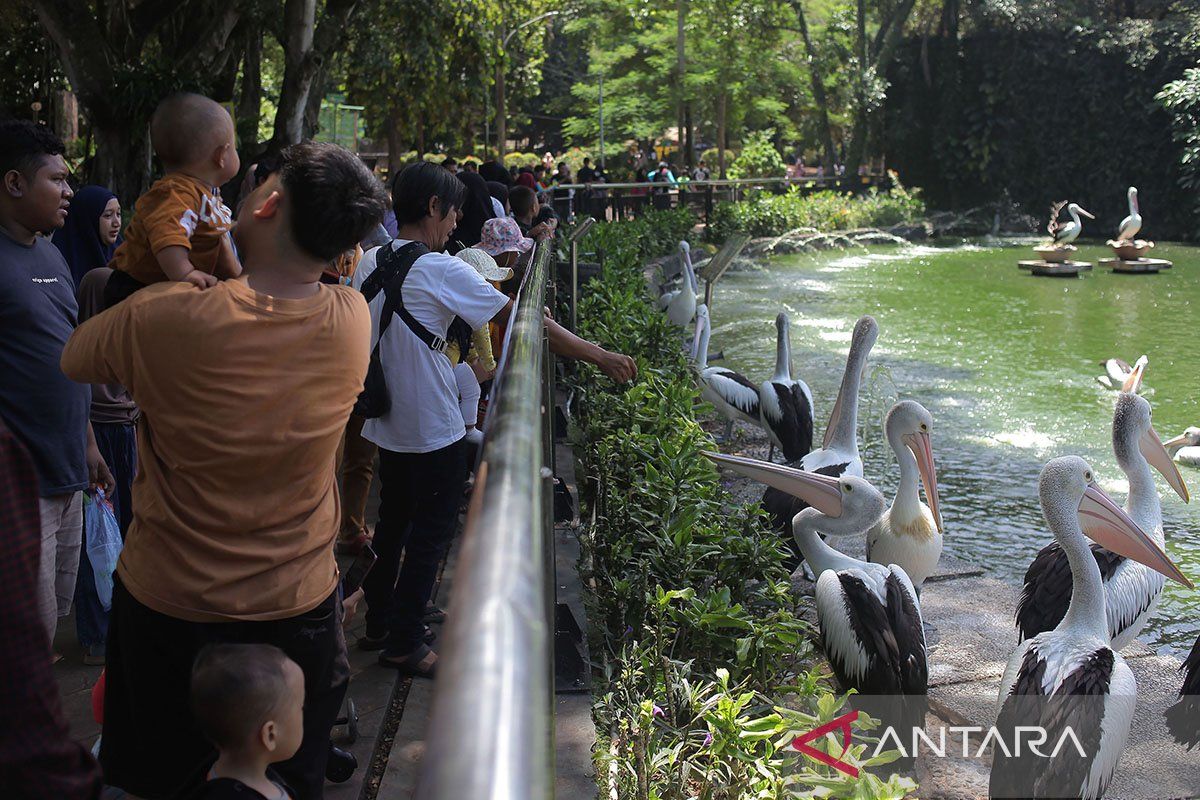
<point x="391" y="269"/>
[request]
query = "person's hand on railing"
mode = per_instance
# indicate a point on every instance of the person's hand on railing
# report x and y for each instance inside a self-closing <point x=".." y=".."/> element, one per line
<point x="543" y="230"/>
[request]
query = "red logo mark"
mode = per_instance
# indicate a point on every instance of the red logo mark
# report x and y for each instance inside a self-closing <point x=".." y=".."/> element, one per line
<point x="842" y="723"/>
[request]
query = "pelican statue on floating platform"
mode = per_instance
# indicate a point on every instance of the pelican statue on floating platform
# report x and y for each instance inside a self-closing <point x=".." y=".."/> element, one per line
<point x="1065" y="234"/>
<point x="839" y="450"/>
<point x="1183" y="718"/>
<point x="1133" y="223"/>
<point x="1131" y="589"/>
<point x="868" y="614"/>
<point x="1117" y="371"/>
<point x="681" y="308"/>
<point x="1185" y="448"/>
<point x="786" y="404"/>
<point x="910" y="532"/>
<point x="1074" y="676"/>
<point x="731" y="393"/>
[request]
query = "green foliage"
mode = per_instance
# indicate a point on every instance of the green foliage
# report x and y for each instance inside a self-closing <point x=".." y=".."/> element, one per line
<point x="774" y="215"/>
<point x="710" y="674"/>
<point x="1073" y="117"/>
<point x="759" y="158"/>
<point x="709" y="157"/>
<point x="1182" y="99"/>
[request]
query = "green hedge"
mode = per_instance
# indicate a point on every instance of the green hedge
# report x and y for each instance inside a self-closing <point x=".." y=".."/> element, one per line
<point x="707" y="672"/>
<point x="776" y="214"/>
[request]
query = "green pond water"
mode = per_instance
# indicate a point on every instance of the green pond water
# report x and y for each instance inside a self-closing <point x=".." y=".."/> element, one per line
<point x="1006" y="362"/>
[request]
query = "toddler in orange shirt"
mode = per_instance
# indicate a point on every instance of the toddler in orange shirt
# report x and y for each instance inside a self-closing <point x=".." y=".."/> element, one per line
<point x="180" y="228"/>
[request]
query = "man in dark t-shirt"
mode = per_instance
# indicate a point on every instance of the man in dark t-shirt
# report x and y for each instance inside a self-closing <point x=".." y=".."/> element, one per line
<point x="46" y="411"/>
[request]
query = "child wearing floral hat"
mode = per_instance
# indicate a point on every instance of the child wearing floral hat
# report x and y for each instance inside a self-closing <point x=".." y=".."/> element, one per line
<point x="502" y="239"/>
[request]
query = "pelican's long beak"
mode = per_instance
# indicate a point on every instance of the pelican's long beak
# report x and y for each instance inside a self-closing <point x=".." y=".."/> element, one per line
<point x="1179" y="441"/>
<point x="819" y="491"/>
<point x="1156" y="453"/>
<point x="1110" y="527"/>
<point x="1133" y="384"/>
<point x="696" y="336"/>
<point x="1087" y="214"/>
<point x="921" y="445"/>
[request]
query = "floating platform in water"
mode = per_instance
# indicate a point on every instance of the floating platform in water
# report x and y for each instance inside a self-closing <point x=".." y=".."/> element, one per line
<point x="1052" y="269"/>
<point x="1136" y="266"/>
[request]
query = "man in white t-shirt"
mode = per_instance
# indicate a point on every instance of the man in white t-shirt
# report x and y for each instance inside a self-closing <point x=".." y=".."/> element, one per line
<point x="422" y="446"/>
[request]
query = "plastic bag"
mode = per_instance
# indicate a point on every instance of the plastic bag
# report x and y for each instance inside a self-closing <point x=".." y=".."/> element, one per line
<point x="103" y="543"/>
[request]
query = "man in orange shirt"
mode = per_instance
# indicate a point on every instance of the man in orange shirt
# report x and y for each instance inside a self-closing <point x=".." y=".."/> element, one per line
<point x="245" y="388"/>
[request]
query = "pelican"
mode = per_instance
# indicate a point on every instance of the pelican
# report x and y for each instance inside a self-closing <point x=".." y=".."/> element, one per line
<point x="1077" y="678"/>
<point x="1131" y="590"/>
<point x="1133" y="223"/>
<point x="910" y="533"/>
<point x="1117" y="372"/>
<point x="1183" y="718"/>
<point x="732" y="393"/>
<point x="1185" y="448"/>
<point x="839" y="450"/>
<point x="1065" y="234"/>
<point x="785" y="404"/>
<point x="868" y="614"/>
<point x="665" y="298"/>
<point x="682" y="307"/>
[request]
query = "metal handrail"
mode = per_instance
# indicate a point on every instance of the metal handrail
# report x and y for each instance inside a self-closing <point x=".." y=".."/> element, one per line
<point x="581" y="229"/>
<point x="491" y="724"/>
<point x="689" y="184"/>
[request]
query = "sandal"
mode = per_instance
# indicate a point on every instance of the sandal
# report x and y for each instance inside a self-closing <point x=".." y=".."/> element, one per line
<point x="420" y="663"/>
<point x="368" y="642"/>
<point x="433" y="614"/>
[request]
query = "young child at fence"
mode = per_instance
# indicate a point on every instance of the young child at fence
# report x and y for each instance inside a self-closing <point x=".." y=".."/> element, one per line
<point x="478" y="365"/>
<point x="180" y="227"/>
<point x="249" y="702"/>
<point x="502" y="240"/>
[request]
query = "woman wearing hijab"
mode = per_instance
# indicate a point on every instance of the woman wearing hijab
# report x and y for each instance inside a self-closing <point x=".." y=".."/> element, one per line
<point x="92" y="231"/>
<point x="476" y="210"/>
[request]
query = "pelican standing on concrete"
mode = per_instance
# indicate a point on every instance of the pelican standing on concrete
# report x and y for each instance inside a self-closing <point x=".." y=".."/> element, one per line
<point x="786" y="404"/>
<point x="910" y="532"/>
<point x="1131" y="589"/>
<point x="731" y="393"/>
<point x="682" y="307"/>
<point x="839" y="450"/>
<point x="1065" y="234"/>
<point x="1133" y="223"/>
<point x="868" y="614"/>
<point x="1074" y="676"/>
<point x="1185" y="448"/>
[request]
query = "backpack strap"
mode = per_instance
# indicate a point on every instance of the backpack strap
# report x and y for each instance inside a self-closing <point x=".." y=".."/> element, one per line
<point x="392" y="268"/>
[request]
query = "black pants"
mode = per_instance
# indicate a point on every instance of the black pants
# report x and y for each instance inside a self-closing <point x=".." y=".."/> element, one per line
<point x="151" y="744"/>
<point x="419" y="499"/>
<point x="120" y="286"/>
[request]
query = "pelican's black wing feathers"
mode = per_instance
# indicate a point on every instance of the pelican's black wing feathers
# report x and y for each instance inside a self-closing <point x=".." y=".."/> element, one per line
<point x="1047" y="590"/>
<point x="1183" y="718"/>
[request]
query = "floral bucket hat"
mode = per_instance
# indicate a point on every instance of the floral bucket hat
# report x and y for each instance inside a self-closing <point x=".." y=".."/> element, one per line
<point x="503" y="235"/>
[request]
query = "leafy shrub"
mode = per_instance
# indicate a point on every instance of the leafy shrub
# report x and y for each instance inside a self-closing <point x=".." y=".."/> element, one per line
<point x="690" y="610"/>
<point x="773" y="215"/>
<point x="759" y="158"/>
<point x="709" y="157"/>
<point x="1182" y="99"/>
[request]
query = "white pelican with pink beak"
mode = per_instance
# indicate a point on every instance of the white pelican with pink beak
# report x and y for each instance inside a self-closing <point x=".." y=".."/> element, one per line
<point x="868" y="614"/>
<point x="910" y="533"/>
<point x="1131" y="589"/>
<point x="1071" y="675"/>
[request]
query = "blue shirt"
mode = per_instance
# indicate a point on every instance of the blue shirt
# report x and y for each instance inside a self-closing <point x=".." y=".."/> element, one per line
<point x="46" y="410"/>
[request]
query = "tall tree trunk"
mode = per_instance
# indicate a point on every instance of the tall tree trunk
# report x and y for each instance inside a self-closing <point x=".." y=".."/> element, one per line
<point x="249" y="107"/>
<point x="501" y="113"/>
<point x="306" y="46"/>
<point x="722" y="143"/>
<point x="818" y="88"/>
<point x="680" y="71"/>
<point x="690" y="139"/>
<point x="393" y="142"/>
<point x="888" y="42"/>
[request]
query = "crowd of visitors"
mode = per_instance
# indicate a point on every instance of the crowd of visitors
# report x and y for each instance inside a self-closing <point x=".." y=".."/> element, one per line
<point x="228" y="383"/>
